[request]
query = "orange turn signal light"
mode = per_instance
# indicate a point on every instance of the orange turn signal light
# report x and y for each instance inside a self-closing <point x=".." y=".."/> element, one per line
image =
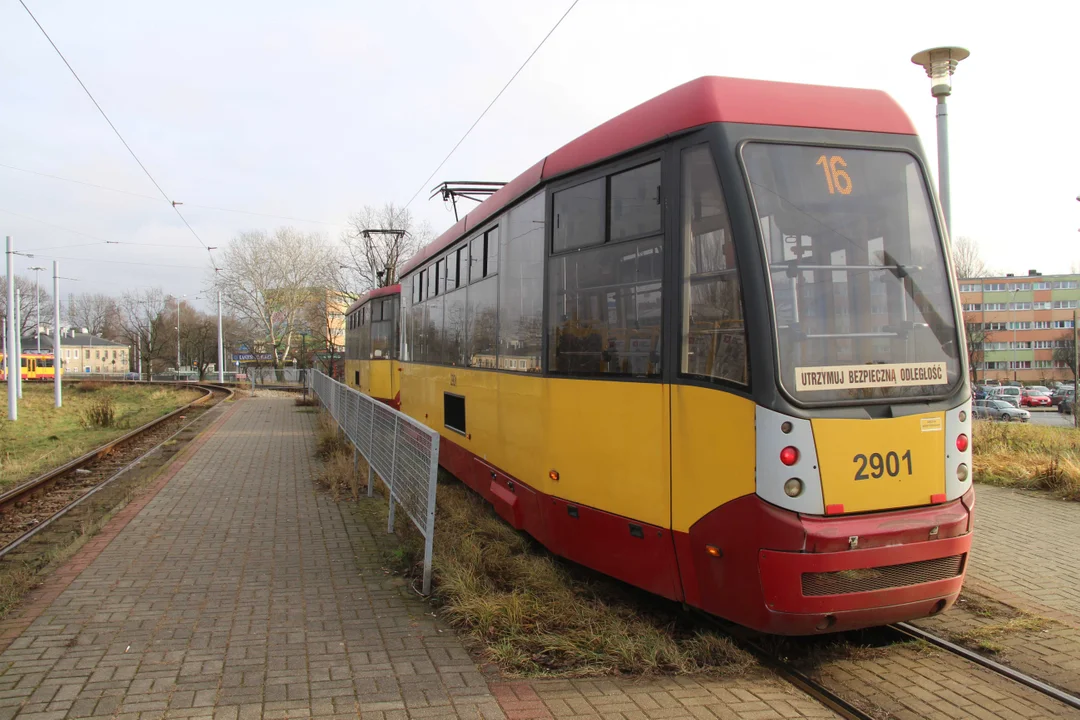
<point x="714" y="551"/>
<point x="554" y="475"/>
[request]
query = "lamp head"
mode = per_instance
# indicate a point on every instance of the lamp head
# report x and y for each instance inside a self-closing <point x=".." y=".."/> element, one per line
<point x="940" y="63"/>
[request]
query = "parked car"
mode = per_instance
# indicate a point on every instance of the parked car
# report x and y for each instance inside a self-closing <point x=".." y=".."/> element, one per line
<point x="1009" y="393"/>
<point x="1033" y="398"/>
<point x="1059" y="395"/>
<point x="1040" y="389"/>
<point x="979" y="392"/>
<point x="999" y="410"/>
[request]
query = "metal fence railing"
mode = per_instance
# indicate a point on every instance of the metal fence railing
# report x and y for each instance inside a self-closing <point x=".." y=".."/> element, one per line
<point x="401" y="451"/>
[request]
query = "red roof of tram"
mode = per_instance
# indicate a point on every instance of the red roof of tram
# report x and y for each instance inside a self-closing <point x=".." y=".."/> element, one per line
<point x="698" y="102"/>
<point x="372" y="294"/>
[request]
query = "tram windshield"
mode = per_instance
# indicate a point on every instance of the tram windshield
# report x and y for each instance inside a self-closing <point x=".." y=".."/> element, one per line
<point x="860" y="287"/>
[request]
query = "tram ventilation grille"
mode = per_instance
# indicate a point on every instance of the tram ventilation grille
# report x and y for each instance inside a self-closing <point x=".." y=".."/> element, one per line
<point x="881" y="578"/>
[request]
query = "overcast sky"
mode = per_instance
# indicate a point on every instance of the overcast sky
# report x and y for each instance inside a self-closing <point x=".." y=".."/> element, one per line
<point x="311" y="110"/>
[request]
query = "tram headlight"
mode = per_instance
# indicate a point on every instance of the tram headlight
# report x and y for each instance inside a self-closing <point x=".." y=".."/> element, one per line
<point x="962" y="472"/>
<point x="793" y="487"/>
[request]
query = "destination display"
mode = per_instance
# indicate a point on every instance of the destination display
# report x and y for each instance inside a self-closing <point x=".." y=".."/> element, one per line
<point x="842" y="377"/>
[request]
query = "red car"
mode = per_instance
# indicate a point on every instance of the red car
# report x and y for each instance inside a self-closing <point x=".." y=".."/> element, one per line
<point x="1032" y="398"/>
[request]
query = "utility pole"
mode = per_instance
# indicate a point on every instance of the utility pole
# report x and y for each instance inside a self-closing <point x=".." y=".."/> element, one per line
<point x="18" y="343"/>
<point x="220" y="345"/>
<point x="58" y="366"/>
<point x="37" y="305"/>
<point x="12" y="386"/>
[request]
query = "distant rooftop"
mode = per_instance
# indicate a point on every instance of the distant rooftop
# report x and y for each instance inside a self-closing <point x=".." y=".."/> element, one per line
<point x="29" y="342"/>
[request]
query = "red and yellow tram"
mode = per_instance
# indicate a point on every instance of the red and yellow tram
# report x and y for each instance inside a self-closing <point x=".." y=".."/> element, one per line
<point x="33" y="367"/>
<point x="711" y="348"/>
<point x="372" y="339"/>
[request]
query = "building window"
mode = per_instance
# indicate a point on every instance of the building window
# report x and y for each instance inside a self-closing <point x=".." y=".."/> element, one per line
<point x="973" y="307"/>
<point x="713" y="328"/>
<point x="971" y="288"/>
<point x="1044" y="344"/>
<point x="1020" y="306"/>
<point x="1018" y="326"/>
<point x="1020" y="365"/>
<point x="1019" y="287"/>
<point x="1041" y="305"/>
<point x="994" y="287"/>
<point x="1040" y="286"/>
<point x="1064" y="305"/>
<point x="1059" y="324"/>
<point x="1043" y="364"/>
<point x="1065" y="284"/>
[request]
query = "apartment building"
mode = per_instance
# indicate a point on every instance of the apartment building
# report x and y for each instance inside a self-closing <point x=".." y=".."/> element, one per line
<point x="1016" y="322"/>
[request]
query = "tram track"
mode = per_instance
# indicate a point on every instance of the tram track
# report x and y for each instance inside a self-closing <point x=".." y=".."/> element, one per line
<point x="911" y="632"/>
<point x="762" y="647"/>
<point x="29" y="508"/>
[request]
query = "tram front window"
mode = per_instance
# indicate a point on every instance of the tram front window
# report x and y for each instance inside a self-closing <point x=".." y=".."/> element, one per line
<point x="860" y="288"/>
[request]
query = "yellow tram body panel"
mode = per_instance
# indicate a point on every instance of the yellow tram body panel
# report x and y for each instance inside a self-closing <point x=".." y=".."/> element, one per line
<point x="713" y="451"/>
<point x="881" y="464"/>
<point x="528" y="426"/>
<point x="381" y="379"/>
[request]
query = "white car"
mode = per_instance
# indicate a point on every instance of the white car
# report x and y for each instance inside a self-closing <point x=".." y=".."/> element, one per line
<point x="993" y="409"/>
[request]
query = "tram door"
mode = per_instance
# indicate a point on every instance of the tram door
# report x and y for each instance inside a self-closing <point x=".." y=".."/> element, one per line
<point x="712" y="424"/>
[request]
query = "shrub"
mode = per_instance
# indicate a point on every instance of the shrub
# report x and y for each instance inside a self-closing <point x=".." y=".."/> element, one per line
<point x="89" y="386"/>
<point x="99" y="412"/>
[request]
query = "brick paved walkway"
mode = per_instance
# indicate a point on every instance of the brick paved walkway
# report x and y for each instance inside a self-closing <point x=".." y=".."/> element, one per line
<point x="234" y="594"/>
<point x="1026" y="545"/>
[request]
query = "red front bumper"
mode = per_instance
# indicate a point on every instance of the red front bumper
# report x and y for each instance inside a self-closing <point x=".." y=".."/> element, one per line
<point x="783" y="573"/>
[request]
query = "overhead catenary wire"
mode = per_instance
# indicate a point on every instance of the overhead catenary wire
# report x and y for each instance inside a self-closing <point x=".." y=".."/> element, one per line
<point x="158" y="199"/>
<point x="490" y="104"/>
<point x="117" y="132"/>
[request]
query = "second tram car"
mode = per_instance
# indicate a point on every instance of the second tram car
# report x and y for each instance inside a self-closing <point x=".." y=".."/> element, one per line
<point x="711" y="348"/>
<point x="372" y="339"/>
<point x="33" y="367"/>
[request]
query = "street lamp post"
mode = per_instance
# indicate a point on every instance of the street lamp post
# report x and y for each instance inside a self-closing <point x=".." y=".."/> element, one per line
<point x="1012" y="306"/>
<point x="178" y="335"/>
<point x="940" y="63"/>
<point x="37" y="305"/>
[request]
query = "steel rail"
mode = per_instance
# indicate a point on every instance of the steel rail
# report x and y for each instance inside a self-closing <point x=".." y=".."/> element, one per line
<point x="788" y="671"/>
<point x="911" y="631"/>
<point x="12" y="496"/>
<point x="118" y="474"/>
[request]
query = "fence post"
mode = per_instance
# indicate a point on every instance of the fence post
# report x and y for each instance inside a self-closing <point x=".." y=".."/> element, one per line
<point x="393" y="472"/>
<point x="429" y="531"/>
<point x="355" y="471"/>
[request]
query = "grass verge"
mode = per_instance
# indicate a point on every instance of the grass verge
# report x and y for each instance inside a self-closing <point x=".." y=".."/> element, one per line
<point x="526" y="611"/>
<point x="45" y="436"/>
<point x="987" y="637"/>
<point x="1035" y="457"/>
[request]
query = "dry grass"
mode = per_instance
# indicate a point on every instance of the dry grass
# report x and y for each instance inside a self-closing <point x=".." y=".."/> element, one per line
<point x="524" y="610"/>
<point x="987" y="637"/>
<point x="45" y="436"/>
<point x="89" y="386"/>
<point x="309" y="401"/>
<point x="100" y="412"/>
<point x="1028" y="456"/>
<point x="534" y="615"/>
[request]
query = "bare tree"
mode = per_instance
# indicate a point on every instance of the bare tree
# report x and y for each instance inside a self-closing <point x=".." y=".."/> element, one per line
<point x="27" y="319"/>
<point x="97" y="312"/>
<point x="142" y="320"/>
<point x="967" y="261"/>
<point x="1065" y="352"/>
<point x="974" y="338"/>
<point x="374" y="258"/>
<point x="266" y="280"/>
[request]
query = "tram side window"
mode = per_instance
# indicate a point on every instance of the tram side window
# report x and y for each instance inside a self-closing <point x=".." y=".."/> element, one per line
<point x="484" y="255"/>
<point x="482" y="323"/>
<point x="713" y="327"/>
<point x="579" y="215"/>
<point x="605" y="302"/>
<point x="521" y="291"/>
<point x="453" y="346"/>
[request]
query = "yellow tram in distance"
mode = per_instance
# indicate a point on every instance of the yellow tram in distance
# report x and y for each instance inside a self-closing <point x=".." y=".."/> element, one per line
<point x="33" y="367"/>
<point x="712" y="348"/>
<point x="371" y="345"/>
